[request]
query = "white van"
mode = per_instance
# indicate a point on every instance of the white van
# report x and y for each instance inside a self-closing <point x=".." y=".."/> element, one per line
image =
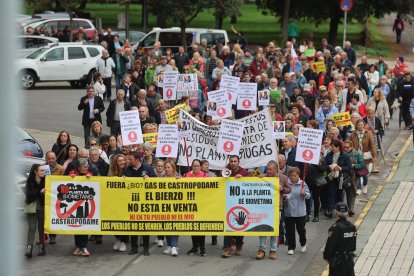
<point x="171" y="37"/>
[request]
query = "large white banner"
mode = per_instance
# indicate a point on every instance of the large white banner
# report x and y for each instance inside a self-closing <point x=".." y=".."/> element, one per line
<point x="257" y="146"/>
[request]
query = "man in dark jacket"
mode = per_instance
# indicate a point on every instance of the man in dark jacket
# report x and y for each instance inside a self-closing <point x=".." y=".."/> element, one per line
<point x="112" y="114"/>
<point x="181" y="59"/>
<point x="405" y="93"/>
<point x="92" y="107"/>
<point x="120" y="60"/>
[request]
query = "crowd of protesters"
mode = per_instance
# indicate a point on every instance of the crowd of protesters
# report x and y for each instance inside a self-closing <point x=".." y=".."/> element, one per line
<point x="301" y="97"/>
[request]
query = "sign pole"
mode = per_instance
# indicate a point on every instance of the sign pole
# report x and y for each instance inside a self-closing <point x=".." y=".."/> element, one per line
<point x="303" y="178"/>
<point x="345" y="19"/>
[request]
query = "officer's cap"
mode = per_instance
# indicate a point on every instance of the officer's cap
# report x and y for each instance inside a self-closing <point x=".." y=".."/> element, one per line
<point x="341" y="207"/>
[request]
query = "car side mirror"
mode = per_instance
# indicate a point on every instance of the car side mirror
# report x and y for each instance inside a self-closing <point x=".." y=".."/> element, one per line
<point x="43" y="59"/>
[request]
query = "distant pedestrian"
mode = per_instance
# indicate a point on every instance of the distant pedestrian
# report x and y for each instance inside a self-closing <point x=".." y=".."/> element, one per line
<point x="398" y="27"/>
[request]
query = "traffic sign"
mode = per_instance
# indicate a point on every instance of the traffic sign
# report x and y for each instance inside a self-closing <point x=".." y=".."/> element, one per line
<point x="346" y="5"/>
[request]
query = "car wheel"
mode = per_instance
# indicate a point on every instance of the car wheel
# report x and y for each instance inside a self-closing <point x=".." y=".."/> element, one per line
<point x="78" y="84"/>
<point x="27" y="79"/>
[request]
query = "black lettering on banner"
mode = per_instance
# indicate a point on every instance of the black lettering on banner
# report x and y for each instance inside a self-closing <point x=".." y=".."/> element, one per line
<point x="162" y="226"/>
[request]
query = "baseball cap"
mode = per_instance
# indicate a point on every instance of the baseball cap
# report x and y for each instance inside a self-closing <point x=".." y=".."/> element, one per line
<point x="164" y="57"/>
<point x="307" y="87"/>
<point x="341" y="207"/>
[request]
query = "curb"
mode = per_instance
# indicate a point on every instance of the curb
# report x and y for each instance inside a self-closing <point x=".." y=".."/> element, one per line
<point x="378" y="190"/>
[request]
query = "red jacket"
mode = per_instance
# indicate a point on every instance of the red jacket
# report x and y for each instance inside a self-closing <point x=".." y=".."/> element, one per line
<point x="256" y="70"/>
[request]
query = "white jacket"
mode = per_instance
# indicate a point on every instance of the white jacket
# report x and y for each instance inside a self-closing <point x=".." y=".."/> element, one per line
<point x="105" y="68"/>
<point x="342" y="98"/>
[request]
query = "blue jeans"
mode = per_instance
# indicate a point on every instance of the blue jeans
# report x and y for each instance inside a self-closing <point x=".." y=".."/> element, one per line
<point x="229" y="239"/>
<point x="263" y="241"/>
<point x="118" y="80"/>
<point x="172" y="241"/>
<point x="364" y="181"/>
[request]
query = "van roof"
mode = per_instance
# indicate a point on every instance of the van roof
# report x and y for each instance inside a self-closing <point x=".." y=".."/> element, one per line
<point x="178" y="29"/>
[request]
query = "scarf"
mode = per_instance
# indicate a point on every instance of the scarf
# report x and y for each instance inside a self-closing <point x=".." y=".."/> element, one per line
<point x="360" y="136"/>
<point x="326" y="110"/>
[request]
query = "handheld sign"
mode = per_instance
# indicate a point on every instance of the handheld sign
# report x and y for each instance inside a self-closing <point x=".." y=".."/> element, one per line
<point x="218" y="106"/>
<point x="167" y="143"/>
<point x="230" y="137"/>
<point x="170" y="85"/>
<point x="309" y="145"/>
<point x="231" y="86"/>
<point x="342" y="119"/>
<point x="279" y="130"/>
<point x="246" y="98"/>
<point x="130" y="128"/>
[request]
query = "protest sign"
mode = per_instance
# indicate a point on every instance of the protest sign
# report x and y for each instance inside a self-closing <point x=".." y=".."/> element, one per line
<point x="230" y="85"/>
<point x="309" y="53"/>
<point x="263" y="96"/>
<point x="247" y="96"/>
<point x="318" y="67"/>
<point x="151" y="138"/>
<point x="218" y="106"/>
<point x="170" y="85"/>
<point x="230" y="137"/>
<point x="342" y="119"/>
<point x="257" y="148"/>
<point x="187" y="82"/>
<point x="130" y="128"/>
<point x="162" y="206"/>
<point x="167" y="143"/>
<point x="309" y="145"/>
<point x="279" y="130"/>
<point x="173" y="114"/>
<point x="276" y="95"/>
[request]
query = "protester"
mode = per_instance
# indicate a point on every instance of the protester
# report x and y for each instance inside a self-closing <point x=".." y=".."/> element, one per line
<point x="61" y="146"/>
<point x="35" y="201"/>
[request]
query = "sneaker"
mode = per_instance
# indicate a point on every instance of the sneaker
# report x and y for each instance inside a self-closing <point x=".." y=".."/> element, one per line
<point x="122" y="247"/>
<point x="303" y="249"/>
<point x="358" y="192"/>
<point x="133" y="251"/>
<point x="160" y="243"/>
<point x="117" y="245"/>
<point x="146" y="251"/>
<point x="203" y="252"/>
<point x="365" y="189"/>
<point x="226" y="253"/>
<point x="174" y="251"/>
<point x="167" y="251"/>
<point x="290" y="252"/>
<point x="272" y="255"/>
<point x="239" y="250"/>
<point x="192" y="251"/>
<point x="77" y="252"/>
<point x="351" y="213"/>
<point x="261" y="254"/>
<point x="85" y="252"/>
<point x="315" y="219"/>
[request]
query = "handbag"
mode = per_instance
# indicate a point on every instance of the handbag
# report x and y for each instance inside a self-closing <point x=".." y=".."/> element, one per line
<point x="362" y="172"/>
<point x="30" y="208"/>
<point x="320" y="181"/>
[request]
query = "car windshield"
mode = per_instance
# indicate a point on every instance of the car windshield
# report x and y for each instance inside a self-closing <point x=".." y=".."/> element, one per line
<point x="37" y="53"/>
<point x="22" y="135"/>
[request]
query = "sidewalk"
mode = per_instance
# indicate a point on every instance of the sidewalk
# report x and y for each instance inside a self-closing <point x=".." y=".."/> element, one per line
<point x="386" y="232"/>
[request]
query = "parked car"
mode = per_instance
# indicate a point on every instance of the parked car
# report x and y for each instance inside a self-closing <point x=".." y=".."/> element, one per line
<point x="61" y="23"/>
<point x="134" y="36"/>
<point x="27" y="145"/>
<point x="171" y="37"/>
<point x="29" y="43"/>
<point x="72" y="62"/>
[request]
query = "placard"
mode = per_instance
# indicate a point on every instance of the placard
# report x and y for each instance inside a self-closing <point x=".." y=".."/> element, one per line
<point x="279" y="130"/>
<point x="170" y="85"/>
<point x="318" y="67"/>
<point x="173" y="114"/>
<point x="187" y="82"/>
<point x="130" y="128"/>
<point x="247" y="96"/>
<point x="342" y="119"/>
<point x="231" y="86"/>
<point x="151" y="138"/>
<point x="309" y="145"/>
<point x="230" y="137"/>
<point x="264" y="97"/>
<point x="218" y="106"/>
<point x="167" y="143"/>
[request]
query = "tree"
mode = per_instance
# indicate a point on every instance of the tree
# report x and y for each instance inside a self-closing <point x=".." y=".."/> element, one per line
<point x="307" y="10"/>
<point x="224" y="8"/>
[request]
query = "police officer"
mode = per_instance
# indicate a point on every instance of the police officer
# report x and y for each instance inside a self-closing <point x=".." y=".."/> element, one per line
<point x="341" y="244"/>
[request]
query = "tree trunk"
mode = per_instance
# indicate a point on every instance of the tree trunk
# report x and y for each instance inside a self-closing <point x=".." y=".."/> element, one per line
<point x="333" y="26"/>
<point x="219" y="14"/>
<point x="82" y="4"/>
<point x="285" y="20"/>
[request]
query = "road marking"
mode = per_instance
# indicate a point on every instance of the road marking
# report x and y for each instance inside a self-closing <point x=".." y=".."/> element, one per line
<point x="378" y="190"/>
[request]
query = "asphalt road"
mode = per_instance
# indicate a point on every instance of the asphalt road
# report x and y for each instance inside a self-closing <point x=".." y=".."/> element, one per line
<point x="50" y="109"/>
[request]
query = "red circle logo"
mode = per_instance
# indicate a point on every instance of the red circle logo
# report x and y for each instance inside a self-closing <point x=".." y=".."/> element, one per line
<point x="221" y="111"/>
<point x="246" y="103"/>
<point x="307" y="155"/>
<point x="132" y="136"/>
<point x="228" y="146"/>
<point x="166" y="149"/>
<point x="238" y="218"/>
<point x="169" y="93"/>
